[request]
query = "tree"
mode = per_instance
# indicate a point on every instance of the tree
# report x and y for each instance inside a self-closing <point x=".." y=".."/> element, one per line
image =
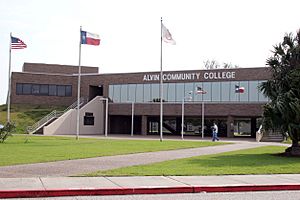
<point x="213" y="64"/>
<point x="283" y="89"/>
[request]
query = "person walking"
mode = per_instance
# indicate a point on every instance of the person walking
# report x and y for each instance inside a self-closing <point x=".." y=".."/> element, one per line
<point x="215" y="133"/>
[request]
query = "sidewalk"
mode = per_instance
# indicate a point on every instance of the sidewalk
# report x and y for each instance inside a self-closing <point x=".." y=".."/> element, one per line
<point x="81" y="186"/>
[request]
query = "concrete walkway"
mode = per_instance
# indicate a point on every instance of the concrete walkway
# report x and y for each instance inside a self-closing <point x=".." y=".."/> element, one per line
<point x="83" y="166"/>
<point x="81" y="186"/>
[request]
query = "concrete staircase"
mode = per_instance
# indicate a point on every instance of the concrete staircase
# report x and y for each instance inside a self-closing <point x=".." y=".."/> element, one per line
<point x="37" y="128"/>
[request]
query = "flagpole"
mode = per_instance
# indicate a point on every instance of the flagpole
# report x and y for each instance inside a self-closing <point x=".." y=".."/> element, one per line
<point x="9" y="82"/>
<point x="161" y="85"/>
<point x="78" y="89"/>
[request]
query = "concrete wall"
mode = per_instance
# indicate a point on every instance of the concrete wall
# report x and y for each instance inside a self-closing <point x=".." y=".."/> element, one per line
<point x="66" y="124"/>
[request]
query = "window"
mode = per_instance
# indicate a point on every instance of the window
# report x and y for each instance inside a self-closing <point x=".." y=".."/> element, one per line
<point x="244" y="96"/>
<point x="155" y="91"/>
<point x="117" y="93"/>
<point x="44" y="89"/>
<point x="179" y="91"/>
<point x="52" y="90"/>
<point x="68" y="90"/>
<point x="124" y="92"/>
<point x="207" y="88"/>
<point x="147" y="93"/>
<point x="253" y="91"/>
<point x="35" y="89"/>
<point x="111" y="91"/>
<point x="19" y="88"/>
<point x="189" y="91"/>
<point x="61" y="90"/>
<point x="88" y="119"/>
<point x="198" y="97"/>
<point x="139" y="92"/>
<point x="171" y="92"/>
<point x="26" y="88"/>
<point x="216" y="91"/>
<point x="225" y="91"/>
<point x="131" y="92"/>
<point x="233" y="95"/>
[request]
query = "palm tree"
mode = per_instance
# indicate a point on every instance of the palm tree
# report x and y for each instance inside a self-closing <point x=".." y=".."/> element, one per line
<point x="283" y="89"/>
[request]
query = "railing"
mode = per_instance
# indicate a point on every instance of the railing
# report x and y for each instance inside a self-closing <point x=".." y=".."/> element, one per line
<point x="53" y="115"/>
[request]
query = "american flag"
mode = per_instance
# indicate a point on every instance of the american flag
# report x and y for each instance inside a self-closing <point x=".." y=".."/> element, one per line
<point x="199" y="90"/>
<point x="16" y="43"/>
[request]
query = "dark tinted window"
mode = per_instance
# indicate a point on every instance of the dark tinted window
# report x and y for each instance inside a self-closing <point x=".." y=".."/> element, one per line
<point x="26" y="88"/>
<point x="19" y="88"/>
<point x="35" y="89"/>
<point x="61" y="90"/>
<point x="52" y="90"/>
<point x="44" y="89"/>
<point x="68" y="90"/>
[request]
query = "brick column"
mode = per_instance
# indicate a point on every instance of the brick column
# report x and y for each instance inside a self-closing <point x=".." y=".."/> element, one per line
<point x="144" y="125"/>
<point x="230" y="128"/>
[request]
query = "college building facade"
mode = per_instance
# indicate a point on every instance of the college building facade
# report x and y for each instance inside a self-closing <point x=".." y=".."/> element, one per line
<point x="236" y="114"/>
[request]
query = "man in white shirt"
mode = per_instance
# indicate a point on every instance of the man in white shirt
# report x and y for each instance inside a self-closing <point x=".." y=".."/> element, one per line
<point x="215" y="133"/>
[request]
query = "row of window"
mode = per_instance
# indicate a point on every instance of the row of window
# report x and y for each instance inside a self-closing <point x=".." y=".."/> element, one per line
<point x="176" y="92"/>
<point x="44" y="89"/>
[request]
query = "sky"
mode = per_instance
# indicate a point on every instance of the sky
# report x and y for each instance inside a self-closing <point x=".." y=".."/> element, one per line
<point x="233" y="31"/>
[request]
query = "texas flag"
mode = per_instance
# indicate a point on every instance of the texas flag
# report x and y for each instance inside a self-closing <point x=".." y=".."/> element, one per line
<point x="239" y="89"/>
<point x="90" y="38"/>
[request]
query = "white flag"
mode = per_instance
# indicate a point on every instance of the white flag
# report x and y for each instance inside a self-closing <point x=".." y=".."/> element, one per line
<point x="167" y="36"/>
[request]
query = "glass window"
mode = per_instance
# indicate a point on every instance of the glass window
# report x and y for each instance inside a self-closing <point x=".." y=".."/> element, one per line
<point x="35" y="89"/>
<point x="131" y="92"/>
<point x="189" y="91"/>
<point x="207" y="88"/>
<point x="216" y="91"/>
<point x="253" y="90"/>
<point x="26" y="88"/>
<point x="19" y="88"/>
<point x="244" y="96"/>
<point x="68" y="90"/>
<point x="44" y="89"/>
<point x="171" y="92"/>
<point x="198" y="97"/>
<point x="139" y="92"/>
<point x="52" y="90"/>
<point x="225" y="91"/>
<point x="165" y="91"/>
<point x="124" y="93"/>
<point x="233" y="95"/>
<point x="61" y="90"/>
<point x="155" y="91"/>
<point x="117" y="93"/>
<point x="147" y="93"/>
<point x="111" y="92"/>
<point x="179" y="91"/>
<point x="261" y="96"/>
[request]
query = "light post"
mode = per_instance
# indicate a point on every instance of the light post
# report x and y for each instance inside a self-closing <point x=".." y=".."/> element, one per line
<point x="106" y="114"/>
<point x="132" y="117"/>
<point x="182" y="113"/>
<point x="199" y="90"/>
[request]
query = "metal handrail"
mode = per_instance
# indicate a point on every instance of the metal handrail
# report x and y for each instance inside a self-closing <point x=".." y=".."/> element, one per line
<point x="54" y="114"/>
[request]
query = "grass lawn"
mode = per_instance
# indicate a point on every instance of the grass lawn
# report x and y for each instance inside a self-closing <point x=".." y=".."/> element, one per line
<point x="251" y="161"/>
<point x="44" y="149"/>
<point x="25" y="115"/>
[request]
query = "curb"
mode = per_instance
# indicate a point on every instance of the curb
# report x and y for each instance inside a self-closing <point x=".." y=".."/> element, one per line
<point x="144" y="190"/>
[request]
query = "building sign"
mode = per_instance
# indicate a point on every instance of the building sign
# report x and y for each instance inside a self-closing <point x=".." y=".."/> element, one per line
<point x="190" y="76"/>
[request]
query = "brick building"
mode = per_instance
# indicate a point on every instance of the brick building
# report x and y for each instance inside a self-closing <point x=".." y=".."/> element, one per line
<point x="237" y="114"/>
